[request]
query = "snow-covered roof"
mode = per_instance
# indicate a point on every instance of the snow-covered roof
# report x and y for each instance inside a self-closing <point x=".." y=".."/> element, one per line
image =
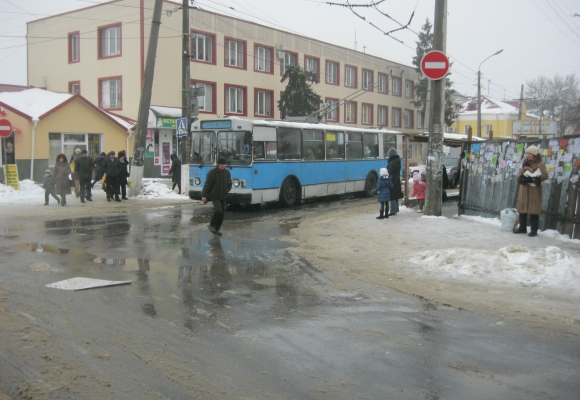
<point x="166" y="112"/>
<point x="37" y="103"/>
<point x="489" y="106"/>
<point x="34" y="102"/>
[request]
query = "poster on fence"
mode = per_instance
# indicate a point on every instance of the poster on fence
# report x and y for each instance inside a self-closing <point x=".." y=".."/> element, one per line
<point x="11" y="175"/>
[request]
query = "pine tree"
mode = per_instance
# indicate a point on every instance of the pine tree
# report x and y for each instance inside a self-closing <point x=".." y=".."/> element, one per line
<point x="298" y="99"/>
<point x="425" y="45"/>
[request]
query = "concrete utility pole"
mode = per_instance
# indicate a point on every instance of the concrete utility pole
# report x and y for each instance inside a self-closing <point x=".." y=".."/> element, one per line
<point x="185" y="96"/>
<point x="434" y="194"/>
<point x="145" y="102"/>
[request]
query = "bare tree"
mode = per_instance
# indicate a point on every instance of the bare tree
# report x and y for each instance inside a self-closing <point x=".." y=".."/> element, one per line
<point x="550" y="98"/>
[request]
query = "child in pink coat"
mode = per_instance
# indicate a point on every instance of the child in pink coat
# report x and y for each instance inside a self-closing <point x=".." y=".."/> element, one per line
<point x="419" y="187"/>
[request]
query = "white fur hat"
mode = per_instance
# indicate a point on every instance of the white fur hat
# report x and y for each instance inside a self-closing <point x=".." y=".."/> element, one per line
<point x="533" y="150"/>
<point x="384" y="172"/>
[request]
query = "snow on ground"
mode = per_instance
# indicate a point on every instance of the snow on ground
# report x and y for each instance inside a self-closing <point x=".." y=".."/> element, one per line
<point x="31" y="193"/>
<point x="154" y="189"/>
<point x="510" y="265"/>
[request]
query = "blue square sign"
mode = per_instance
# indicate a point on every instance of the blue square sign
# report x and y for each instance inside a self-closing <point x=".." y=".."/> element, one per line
<point x="181" y="127"/>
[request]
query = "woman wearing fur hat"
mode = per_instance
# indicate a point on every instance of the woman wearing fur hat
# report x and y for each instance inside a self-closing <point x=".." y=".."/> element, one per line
<point x="61" y="178"/>
<point x="394" y="168"/>
<point x="530" y="179"/>
<point x="384" y="186"/>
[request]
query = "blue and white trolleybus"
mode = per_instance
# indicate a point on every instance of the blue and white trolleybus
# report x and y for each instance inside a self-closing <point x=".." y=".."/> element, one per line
<point x="288" y="161"/>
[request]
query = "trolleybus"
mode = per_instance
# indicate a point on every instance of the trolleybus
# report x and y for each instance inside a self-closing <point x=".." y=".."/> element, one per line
<point x="286" y="161"/>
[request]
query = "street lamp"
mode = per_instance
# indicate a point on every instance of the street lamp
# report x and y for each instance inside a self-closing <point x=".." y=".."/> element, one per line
<point x="479" y="92"/>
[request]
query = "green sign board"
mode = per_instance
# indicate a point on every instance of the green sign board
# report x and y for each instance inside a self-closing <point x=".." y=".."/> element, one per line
<point x="166" y="123"/>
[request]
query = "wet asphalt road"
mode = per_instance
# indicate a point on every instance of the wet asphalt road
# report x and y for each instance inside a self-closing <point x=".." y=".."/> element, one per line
<point x="242" y="317"/>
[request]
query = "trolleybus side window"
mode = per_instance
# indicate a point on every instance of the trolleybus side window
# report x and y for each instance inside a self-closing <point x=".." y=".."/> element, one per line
<point x="235" y="147"/>
<point x="389" y="142"/>
<point x="201" y="147"/>
<point x="289" y="144"/>
<point x="334" y="145"/>
<point x="264" y="150"/>
<point x="371" y="145"/>
<point x="354" y="146"/>
<point x="259" y="153"/>
<point x="313" y="144"/>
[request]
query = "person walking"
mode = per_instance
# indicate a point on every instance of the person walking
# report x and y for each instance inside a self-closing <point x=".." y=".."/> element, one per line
<point x="394" y="168"/>
<point x="123" y="173"/>
<point x="62" y="182"/>
<point x="49" y="187"/>
<point x="111" y="170"/>
<point x="530" y="179"/>
<point x="175" y="172"/>
<point x="218" y="184"/>
<point x="72" y="162"/>
<point x="384" y="187"/>
<point x="84" y="166"/>
<point x="99" y="168"/>
<point x="419" y="187"/>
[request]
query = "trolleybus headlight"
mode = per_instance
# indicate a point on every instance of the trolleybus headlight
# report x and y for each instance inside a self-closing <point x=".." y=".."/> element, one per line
<point x="236" y="182"/>
<point x="197" y="181"/>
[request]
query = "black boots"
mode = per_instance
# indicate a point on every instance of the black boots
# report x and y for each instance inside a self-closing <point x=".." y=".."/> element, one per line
<point x="381" y="215"/>
<point x="523" y="228"/>
<point x="534" y="223"/>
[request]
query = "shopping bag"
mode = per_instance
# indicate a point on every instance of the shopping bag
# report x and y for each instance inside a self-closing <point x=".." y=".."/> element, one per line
<point x="129" y="182"/>
<point x="508" y="217"/>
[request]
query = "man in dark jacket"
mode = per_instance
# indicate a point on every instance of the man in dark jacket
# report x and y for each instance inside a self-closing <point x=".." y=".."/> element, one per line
<point x="111" y="170"/>
<point x="74" y="157"/>
<point x="218" y="183"/>
<point x="84" y="166"/>
<point x="123" y="173"/>
<point x="99" y="167"/>
<point x="175" y="172"/>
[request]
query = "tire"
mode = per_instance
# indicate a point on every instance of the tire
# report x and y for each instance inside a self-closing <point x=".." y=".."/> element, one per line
<point x="289" y="193"/>
<point x="370" y="184"/>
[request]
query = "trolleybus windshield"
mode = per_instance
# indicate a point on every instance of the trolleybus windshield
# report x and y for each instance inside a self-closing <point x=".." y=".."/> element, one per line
<point x="202" y="145"/>
<point x="235" y="146"/>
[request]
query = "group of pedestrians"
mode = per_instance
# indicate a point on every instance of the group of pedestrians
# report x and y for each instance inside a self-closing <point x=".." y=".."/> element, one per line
<point x="389" y="186"/>
<point x="78" y="174"/>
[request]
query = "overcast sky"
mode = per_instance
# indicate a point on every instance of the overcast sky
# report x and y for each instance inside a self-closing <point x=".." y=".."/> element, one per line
<point x="538" y="37"/>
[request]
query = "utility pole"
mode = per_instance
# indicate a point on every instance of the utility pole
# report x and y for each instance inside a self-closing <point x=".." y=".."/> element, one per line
<point x="185" y="96"/>
<point x="434" y="194"/>
<point x="145" y="102"/>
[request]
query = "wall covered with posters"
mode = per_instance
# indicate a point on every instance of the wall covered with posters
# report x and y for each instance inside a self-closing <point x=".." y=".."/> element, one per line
<point x="489" y="180"/>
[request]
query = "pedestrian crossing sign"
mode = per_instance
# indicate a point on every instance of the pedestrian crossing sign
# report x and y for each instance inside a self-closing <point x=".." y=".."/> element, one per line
<point x="181" y="127"/>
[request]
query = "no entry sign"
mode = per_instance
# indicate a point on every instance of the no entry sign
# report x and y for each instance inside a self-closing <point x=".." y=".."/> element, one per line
<point x="5" y="128"/>
<point x="435" y="65"/>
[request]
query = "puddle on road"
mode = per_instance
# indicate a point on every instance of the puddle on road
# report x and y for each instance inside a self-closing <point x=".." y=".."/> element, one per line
<point x="204" y="286"/>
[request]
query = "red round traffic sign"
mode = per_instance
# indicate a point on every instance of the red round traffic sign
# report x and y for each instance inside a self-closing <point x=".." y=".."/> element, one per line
<point x="435" y="65"/>
<point x="5" y="128"/>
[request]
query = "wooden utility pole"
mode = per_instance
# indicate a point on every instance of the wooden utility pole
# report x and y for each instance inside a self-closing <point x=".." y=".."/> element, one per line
<point x="145" y="102"/>
<point x="434" y="194"/>
<point x="185" y="96"/>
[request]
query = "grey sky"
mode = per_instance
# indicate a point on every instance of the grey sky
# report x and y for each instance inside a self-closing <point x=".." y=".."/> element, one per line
<point x="539" y="37"/>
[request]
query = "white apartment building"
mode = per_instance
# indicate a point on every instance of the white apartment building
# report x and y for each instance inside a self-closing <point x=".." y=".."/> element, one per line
<point x="100" y="51"/>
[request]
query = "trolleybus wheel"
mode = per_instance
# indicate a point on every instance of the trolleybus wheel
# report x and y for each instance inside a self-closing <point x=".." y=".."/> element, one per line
<point x="289" y="192"/>
<point x="370" y="184"/>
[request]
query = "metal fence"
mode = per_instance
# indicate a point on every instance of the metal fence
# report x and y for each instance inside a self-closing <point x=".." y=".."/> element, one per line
<point x="489" y="180"/>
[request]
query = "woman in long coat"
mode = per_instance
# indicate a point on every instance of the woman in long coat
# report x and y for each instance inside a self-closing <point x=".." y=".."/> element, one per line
<point x="61" y="178"/>
<point x="394" y="168"/>
<point x="530" y="190"/>
<point x="175" y="172"/>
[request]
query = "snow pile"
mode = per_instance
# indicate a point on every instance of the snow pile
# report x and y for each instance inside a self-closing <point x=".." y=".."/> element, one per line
<point x="29" y="193"/>
<point x="153" y="189"/>
<point x="548" y="267"/>
<point x="490" y="221"/>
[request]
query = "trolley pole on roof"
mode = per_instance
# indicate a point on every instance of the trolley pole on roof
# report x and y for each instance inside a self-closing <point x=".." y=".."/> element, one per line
<point x="434" y="194"/>
<point x="145" y="103"/>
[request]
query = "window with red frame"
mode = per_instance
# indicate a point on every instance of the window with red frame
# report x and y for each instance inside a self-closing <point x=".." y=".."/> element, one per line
<point x="367" y="114"/>
<point x="202" y="47"/>
<point x="383" y="116"/>
<point x="409" y="119"/>
<point x="74" y="51"/>
<point x="110" y="41"/>
<point x="383" y="83"/>
<point x="367" y="80"/>
<point x="74" y="87"/>
<point x="110" y="93"/>
<point x="264" y="100"/>
<point x="235" y="100"/>
<point x="350" y="73"/>
<point x="409" y="89"/>
<point x="350" y="112"/>
<point x="263" y="59"/>
<point x="235" y="53"/>
<point x="396" y="118"/>
<point x="332" y="72"/>
<point x="332" y="110"/>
